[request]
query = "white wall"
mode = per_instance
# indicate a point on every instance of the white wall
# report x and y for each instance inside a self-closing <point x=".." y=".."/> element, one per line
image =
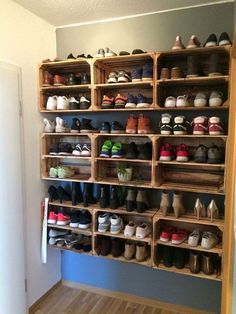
<point x="25" y="40"/>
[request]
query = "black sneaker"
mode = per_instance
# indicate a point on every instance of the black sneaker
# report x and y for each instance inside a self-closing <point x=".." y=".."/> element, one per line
<point x="215" y="66"/>
<point x="74" y="219"/>
<point x="117" y="128"/>
<point x="71" y="57"/>
<point x="131" y="151"/>
<point x="180" y="258"/>
<point x="73" y="104"/>
<point x="76" y="193"/>
<point x="105" y="247"/>
<point x="180" y="126"/>
<point x="105" y="127"/>
<point x="224" y="39"/>
<point x="54" y="149"/>
<point x="130" y="200"/>
<point x="85" y="220"/>
<point x="65" y="149"/>
<point x="145" y="151"/>
<point x="193" y="66"/>
<point x="85" y="79"/>
<point x="82" y="55"/>
<point x="124" y="53"/>
<point x="215" y="155"/>
<point x="167" y="256"/>
<point x="166" y="124"/>
<point x="71" y="79"/>
<point x="114" y="202"/>
<point x="104" y="196"/>
<point x="53" y="195"/>
<point x="84" y="103"/>
<point x="86" y="126"/>
<point x="75" y="127"/>
<point x="137" y="51"/>
<point x="211" y="41"/>
<point x="89" y="56"/>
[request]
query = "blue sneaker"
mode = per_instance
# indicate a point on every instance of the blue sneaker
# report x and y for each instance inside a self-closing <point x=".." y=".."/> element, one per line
<point x="142" y="102"/>
<point x="147" y="72"/>
<point x="137" y="75"/>
<point x="131" y="102"/>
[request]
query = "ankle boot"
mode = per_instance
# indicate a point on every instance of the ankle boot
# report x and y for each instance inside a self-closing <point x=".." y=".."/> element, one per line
<point x="165" y="202"/>
<point x="76" y="193"/>
<point x="207" y="264"/>
<point x="130" y="200"/>
<point x="114" y="202"/>
<point x="129" y="250"/>
<point x="193" y="66"/>
<point x="142" y="201"/>
<point x="63" y="195"/>
<point x="215" y="67"/>
<point x="103" y="196"/>
<point x="141" y="252"/>
<point x="212" y="210"/>
<point x="199" y="209"/>
<point x="178" y="44"/>
<point x="53" y="195"/>
<point x="178" y="204"/>
<point x="194" y="262"/>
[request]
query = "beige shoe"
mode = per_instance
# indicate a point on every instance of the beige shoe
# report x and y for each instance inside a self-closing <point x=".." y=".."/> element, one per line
<point x="178" y="44"/>
<point x="212" y="210"/>
<point x="141" y="252"/>
<point x="178" y="204"/>
<point x="165" y="203"/>
<point x="129" y="250"/>
<point x="193" y="42"/>
<point x="199" y="209"/>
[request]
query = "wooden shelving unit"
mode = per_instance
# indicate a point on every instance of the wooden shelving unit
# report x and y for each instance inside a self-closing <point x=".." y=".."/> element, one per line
<point x="215" y="180"/>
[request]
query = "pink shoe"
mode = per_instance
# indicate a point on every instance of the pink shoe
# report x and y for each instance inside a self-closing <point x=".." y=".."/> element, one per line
<point x="179" y="237"/>
<point x="215" y="127"/>
<point x="200" y="125"/>
<point x="166" y="153"/>
<point x="182" y="153"/>
<point x="62" y="219"/>
<point x="52" y="217"/>
<point x="166" y="234"/>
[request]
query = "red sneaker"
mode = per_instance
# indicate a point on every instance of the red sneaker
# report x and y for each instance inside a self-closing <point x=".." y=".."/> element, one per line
<point x="200" y="125"/>
<point x="215" y="127"/>
<point x="182" y="153"/>
<point x="166" y="153"/>
<point x="52" y="217"/>
<point x="179" y="237"/>
<point x="62" y="219"/>
<point x="166" y="234"/>
<point x="107" y="102"/>
<point x="120" y="101"/>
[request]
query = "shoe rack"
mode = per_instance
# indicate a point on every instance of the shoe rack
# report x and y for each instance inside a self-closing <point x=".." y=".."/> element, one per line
<point x="213" y="180"/>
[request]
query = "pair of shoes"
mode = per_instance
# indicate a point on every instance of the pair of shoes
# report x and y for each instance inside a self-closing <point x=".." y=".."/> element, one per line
<point x="83" y="150"/>
<point x="139" y="251"/>
<point x="167" y="152"/>
<point x="177" y="204"/>
<point x="223" y="40"/>
<point x="58" y="193"/>
<point x="204" y="125"/>
<point x="194" y="68"/>
<point x="211" y="211"/>
<point x="59" y="219"/>
<point x="61" y="80"/>
<point x="114" y="150"/>
<point x="140" y="230"/>
<point x="105" y="53"/>
<point x="180" y="101"/>
<point x="180" y="126"/>
<point x="110" y="102"/>
<point x="107" y="246"/>
<point x="176" y="236"/>
<point x="59" y="127"/>
<point x="140" y="125"/>
<point x="139" y="101"/>
<point x="108" y="197"/>
<point x="81" y="220"/>
<point x="137" y="200"/>
<point x="193" y="43"/>
<point x="108" y="221"/>
<point x="71" y="57"/>
<point x="171" y="256"/>
<point x="212" y="155"/>
<point x="56" y="59"/>
<point x="173" y="73"/>
<point x="208" y="239"/>
<point x="143" y="151"/>
<point x="114" y="128"/>
<point x="142" y="74"/>
<point x="63" y="149"/>
<point x="54" y="234"/>
<point x="83" y="127"/>
<point x="119" y="77"/>
<point x="202" y="261"/>
<point x="214" y="100"/>
<point x="61" y="172"/>
<point x="77" y="79"/>
<point x="85" y="244"/>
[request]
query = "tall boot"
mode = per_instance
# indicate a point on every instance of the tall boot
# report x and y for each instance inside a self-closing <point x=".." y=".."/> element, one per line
<point x="130" y="200"/>
<point x="142" y="201"/>
<point x="165" y="202"/>
<point x="103" y="196"/>
<point x="53" y="195"/>
<point x="76" y="194"/>
<point x="114" y="201"/>
<point x="178" y="204"/>
<point x="88" y="197"/>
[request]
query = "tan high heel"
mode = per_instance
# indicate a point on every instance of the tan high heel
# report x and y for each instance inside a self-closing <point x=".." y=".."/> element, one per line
<point x="165" y="203"/>
<point x="199" y="209"/>
<point x="212" y="210"/>
<point x="178" y="204"/>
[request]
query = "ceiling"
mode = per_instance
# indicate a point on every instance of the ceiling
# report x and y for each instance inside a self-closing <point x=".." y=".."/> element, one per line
<point x="67" y="12"/>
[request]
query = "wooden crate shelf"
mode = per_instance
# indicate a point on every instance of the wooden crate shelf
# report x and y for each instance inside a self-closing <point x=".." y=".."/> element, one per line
<point x="124" y="160"/>
<point x="122" y="210"/>
<point x="66" y="157"/>
<point x="119" y="85"/>
<point x="123" y="259"/>
<point x="63" y="248"/>
<point x="78" y="178"/>
<point x="122" y="236"/>
<point x="68" y="204"/>
<point x="195" y="80"/>
<point x="67" y="88"/>
<point x="86" y="232"/>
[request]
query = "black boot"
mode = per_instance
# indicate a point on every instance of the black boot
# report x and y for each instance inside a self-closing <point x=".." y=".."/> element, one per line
<point x="63" y="195"/>
<point x="131" y="200"/>
<point x="76" y="194"/>
<point x="104" y="196"/>
<point x="114" y="202"/>
<point x="86" y="126"/>
<point x="53" y="195"/>
<point x="88" y="197"/>
<point x="215" y="66"/>
<point x="193" y="66"/>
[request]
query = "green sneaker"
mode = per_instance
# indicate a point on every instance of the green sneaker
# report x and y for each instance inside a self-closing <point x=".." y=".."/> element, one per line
<point x="53" y="172"/>
<point x="65" y="172"/>
<point x="106" y="149"/>
<point x="116" y="151"/>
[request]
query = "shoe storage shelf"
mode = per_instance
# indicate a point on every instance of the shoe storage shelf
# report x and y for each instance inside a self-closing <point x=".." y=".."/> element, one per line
<point x="50" y="85"/>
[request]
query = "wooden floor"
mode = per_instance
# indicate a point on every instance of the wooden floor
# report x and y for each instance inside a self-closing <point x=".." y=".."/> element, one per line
<point x="69" y="300"/>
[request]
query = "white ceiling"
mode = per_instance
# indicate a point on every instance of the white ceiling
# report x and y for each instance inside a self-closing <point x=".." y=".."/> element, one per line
<point x="67" y="12"/>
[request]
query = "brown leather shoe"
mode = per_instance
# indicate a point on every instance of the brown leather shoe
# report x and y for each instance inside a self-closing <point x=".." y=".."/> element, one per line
<point x="193" y="42"/>
<point x="47" y="79"/>
<point x="144" y="125"/>
<point x="207" y="264"/>
<point x="178" y="44"/>
<point x="131" y="126"/>
<point x="194" y="262"/>
<point x="165" y="74"/>
<point x="176" y="73"/>
<point x="58" y="80"/>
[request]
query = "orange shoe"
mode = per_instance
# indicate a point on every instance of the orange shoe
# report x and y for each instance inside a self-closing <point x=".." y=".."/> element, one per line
<point x="144" y="125"/>
<point x="131" y="126"/>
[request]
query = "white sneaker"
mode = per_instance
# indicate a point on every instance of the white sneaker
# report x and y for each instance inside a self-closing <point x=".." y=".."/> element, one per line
<point x="109" y="53"/>
<point x="116" y="224"/>
<point x="130" y="229"/>
<point x="55" y="233"/>
<point x="194" y="237"/>
<point x="51" y="103"/>
<point x="49" y="126"/>
<point x="77" y="151"/>
<point x="170" y="102"/>
<point x="143" y="230"/>
<point x="209" y="240"/>
<point x="61" y="126"/>
<point x="86" y="150"/>
<point x="182" y="101"/>
<point x="62" y="103"/>
<point x="215" y="99"/>
<point x="103" y="222"/>
<point x="200" y="100"/>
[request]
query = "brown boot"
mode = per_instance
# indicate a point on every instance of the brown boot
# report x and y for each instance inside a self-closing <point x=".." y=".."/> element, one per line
<point x="178" y="44"/>
<point x="141" y="252"/>
<point x="131" y="126"/>
<point x="144" y="125"/>
<point x="178" y="204"/>
<point x="165" y="74"/>
<point x="47" y="79"/>
<point x="129" y="250"/>
<point x="193" y="42"/>
<point x="176" y="73"/>
<point x="165" y="203"/>
<point x="142" y="201"/>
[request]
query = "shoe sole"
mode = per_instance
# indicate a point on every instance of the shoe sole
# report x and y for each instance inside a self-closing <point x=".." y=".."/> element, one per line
<point x="52" y="221"/>
<point x="162" y="158"/>
<point x="74" y="225"/>
<point x="130" y="131"/>
<point x="84" y="226"/>
<point x="166" y="132"/>
<point x="215" y="74"/>
<point x="86" y="154"/>
<point x="74" y="131"/>
<point x="130" y="105"/>
<point x="182" y="158"/>
<point x="143" y="105"/>
<point x="178" y="241"/>
<point x="76" y="154"/>
<point x="116" y="156"/>
<point x="117" y="131"/>
<point x="111" y="81"/>
<point x="198" y="132"/>
<point x="63" y="223"/>
<point x="105" y="155"/>
<point x="215" y="133"/>
<point x="164" y="239"/>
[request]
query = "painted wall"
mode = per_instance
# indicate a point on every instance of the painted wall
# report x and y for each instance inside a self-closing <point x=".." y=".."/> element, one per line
<point x="25" y="40"/>
<point x="151" y="33"/>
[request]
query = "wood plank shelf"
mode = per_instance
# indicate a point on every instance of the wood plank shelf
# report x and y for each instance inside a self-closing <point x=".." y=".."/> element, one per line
<point x="68" y="204"/>
<point x="189" y="163"/>
<point x="199" y="50"/>
<point x="78" y="178"/>
<point x="195" y="80"/>
<point x="66" y="87"/>
<point x="207" y="108"/>
<point x="149" y="162"/>
<point x="87" y="232"/>
<point x="99" y="109"/>
<point x="66" y="63"/>
<point x="122" y="236"/>
<point x="67" y="134"/>
<point x="128" y="84"/>
<point x="63" y="248"/>
<point x="131" y="57"/>
<point x="66" y="157"/>
<point x="195" y="136"/>
<point x="67" y="111"/>
<point x="122" y="211"/>
<point x="137" y="183"/>
<point x="190" y="188"/>
<point x="147" y="262"/>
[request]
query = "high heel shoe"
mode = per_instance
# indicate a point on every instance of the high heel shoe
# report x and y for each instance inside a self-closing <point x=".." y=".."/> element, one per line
<point x="199" y="209"/>
<point x="212" y="210"/>
<point x="178" y="204"/>
<point x="53" y="195"/>
<point x="165" y="203"/>
<point x="88" y="197"/>
<point x="63" y="195"/>
<point x="76" y="193"/>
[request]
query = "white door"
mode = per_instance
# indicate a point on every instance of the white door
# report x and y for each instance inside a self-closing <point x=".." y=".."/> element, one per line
<point x="12" y="268"/>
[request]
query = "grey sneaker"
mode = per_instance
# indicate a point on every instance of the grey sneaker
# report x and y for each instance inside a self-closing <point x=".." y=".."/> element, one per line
<point x="109" y="53"/>
<point x="55" y="233"/>
<point x="215" y="99"/>
<point x="103" y="222"/>
<point x="200" y="100"/>
<point x="116" y="224"/>
<point x="112" y="77"/>
<point x="215" y="155"/>
<point x="200" y="154"/>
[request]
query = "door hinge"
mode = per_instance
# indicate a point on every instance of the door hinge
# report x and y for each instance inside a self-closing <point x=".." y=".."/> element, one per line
<point x="25" y="285"/>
